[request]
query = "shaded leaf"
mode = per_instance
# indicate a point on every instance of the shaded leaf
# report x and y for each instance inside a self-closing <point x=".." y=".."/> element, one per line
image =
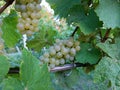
<point x="88" y="54"/>
<point x="62" y="7"/>
<point x="87" y="23"/>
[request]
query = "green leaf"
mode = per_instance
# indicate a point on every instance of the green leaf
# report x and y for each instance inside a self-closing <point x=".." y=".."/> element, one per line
<point x="32" y="76"/>
<point x="74" y="12"/>
<point x="87" y="23"/>
<point x="12" y="84"/>
<point x="111" y="49"/>
<point x="43" y="38"/>
<point x="65" y="80"/>
<point x="4" y="67"/>
<point x="109" y="12"/>
<point x="62" y="7"/>
<point x="76" y="80"/>
<point x="117" y="82"/>
<point x="88" y="54"/>
<point x="10" y="35"/>
<point x="107" y="69"/>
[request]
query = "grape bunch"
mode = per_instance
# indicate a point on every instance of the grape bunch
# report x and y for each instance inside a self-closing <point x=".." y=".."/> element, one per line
<point x="61" y="52"/>
<point x="30" y="15"/>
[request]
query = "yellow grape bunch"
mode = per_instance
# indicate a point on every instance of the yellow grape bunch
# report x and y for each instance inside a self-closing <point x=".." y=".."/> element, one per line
<point x="61" y="52"/>
<point x="30" y="15"/>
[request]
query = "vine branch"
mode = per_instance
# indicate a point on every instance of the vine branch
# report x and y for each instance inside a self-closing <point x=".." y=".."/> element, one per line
<point x="106" y="35"/>
<point x="75" y="31"/>
<point x="56" y="69"/>
<point x="8" y="3"/>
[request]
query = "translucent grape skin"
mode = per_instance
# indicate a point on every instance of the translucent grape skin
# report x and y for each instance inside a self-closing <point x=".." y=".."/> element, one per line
<point x="60" y="52"/>
<point x="30" y="15"/>
<point x="20" y="26"/>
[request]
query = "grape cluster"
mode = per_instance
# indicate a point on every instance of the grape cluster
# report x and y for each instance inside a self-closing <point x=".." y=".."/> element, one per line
<point x="30" y="15"/>
<point x="61" y="52"/>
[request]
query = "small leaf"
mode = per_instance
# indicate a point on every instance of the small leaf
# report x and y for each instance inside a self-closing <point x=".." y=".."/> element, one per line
<point x="88" y="54"/>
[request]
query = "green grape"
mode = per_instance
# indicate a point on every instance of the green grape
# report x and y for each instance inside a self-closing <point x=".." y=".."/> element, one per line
<point x="69" y="44"/>
<point x="52" y="65"/>
<point x="24" y="15"/>
<point x="64" y="51"/>
<point x="62" y="61"/>
<point x="61" y="51"/>
<point x="57" y="48"/>
<point x="30" y="15"/>
<point x="46" y="60"/>
<point x="77" y="48"/>
<point x="38" y="7"/>
<point x="57" y="62"/>
<point x="67" y="56"/>
<point x="22" y="8"/>
<point x="46" y="54"/>
<point x="52" y="60"/>
<point x="59" y="55"/>
<point x="52" y="52"/>
<point x="27" y="26"/>
<point x="71" y="58"/>
<point x="73" y="51"/>
<point x="20" y="26"/>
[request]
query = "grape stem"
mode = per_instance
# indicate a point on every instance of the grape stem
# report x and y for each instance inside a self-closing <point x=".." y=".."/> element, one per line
<point x="56" y="69"/>
<point x="8" y="3"/>
<point x="106" y="35"/>
<point x="74" y="31"/>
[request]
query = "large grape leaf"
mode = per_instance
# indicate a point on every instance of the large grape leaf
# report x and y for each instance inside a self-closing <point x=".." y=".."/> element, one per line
<point x="88" y="54"/>
<point x="113" y="50"/>
<point x="87" y="23"/>
<point x="76" y="80"/>
<point x="62" y="7"/>
<point x="109" y="13"/>
<point x="32" y="75"/>
<point x="44" y="37"/>
<point x="10" y="34"/>
<point x="12" y="84"/>
<point x="4" y="67"/>
<point x="74" y="12"/>
<point x="107" y="69"/>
